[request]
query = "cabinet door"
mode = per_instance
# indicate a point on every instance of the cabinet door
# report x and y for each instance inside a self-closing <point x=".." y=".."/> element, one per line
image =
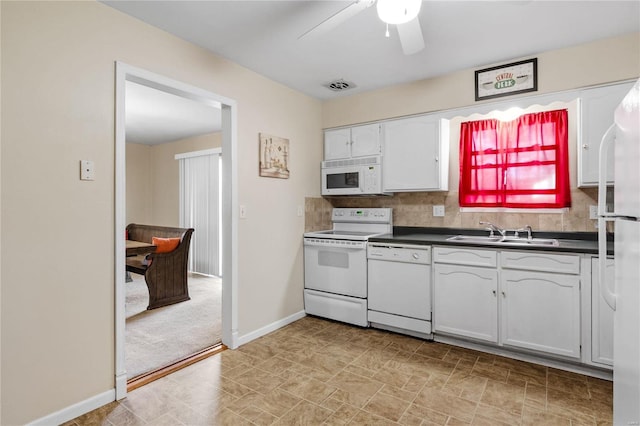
<point x="541" y="311"/>
<point x="601" y="317"/>
<point x="365" y="140"/>
<point x="337" y="144"/>
<point x="410" y="154"/>
<point x="413" y="160"/>
<point x="598" y="105"/>
<point x="465" y="301"/>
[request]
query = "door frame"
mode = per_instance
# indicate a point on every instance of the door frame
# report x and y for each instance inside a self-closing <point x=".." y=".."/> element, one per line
<point x="228" y="107"/>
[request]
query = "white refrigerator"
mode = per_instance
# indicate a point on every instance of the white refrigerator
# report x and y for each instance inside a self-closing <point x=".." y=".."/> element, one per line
<point x="623" y="295"/>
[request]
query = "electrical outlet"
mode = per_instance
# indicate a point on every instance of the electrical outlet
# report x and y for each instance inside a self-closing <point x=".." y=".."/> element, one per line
<point x="243" y="212"/>
<point x="438" y="211"/>
<point x="300" y="211"/>
<point x="593" y="212"/>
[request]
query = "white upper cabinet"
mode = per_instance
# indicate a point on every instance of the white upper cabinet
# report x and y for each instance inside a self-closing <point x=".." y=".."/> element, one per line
<point x="337" y="144"/>
<point x="597" y="105"/>
<point x="416" y="154"/>
<point x="357" y="141"/>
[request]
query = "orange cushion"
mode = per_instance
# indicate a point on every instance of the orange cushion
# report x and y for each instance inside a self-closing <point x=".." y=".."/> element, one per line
<point x="165" y="245"/>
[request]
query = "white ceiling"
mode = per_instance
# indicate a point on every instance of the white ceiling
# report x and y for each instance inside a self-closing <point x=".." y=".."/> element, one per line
<point x="263" y="36"/>
<point x="153" y="117"/>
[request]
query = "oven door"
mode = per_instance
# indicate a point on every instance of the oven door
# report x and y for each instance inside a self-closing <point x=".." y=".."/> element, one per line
<point x="336" y="266"/>
<point x="342" y="181"/>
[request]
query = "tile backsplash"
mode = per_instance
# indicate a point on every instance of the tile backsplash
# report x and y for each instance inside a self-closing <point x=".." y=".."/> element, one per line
<point x="416" y="209"/>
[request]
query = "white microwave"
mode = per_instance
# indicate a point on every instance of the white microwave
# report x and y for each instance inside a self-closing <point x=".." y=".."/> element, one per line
<point x="353" y="176"/>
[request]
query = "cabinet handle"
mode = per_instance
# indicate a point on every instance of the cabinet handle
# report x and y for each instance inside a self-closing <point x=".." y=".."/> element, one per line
<point x="503" y="294"/>
<point x="585" y="146"/>
<point x="437" y="159"/>
<point x="494" y="292"/>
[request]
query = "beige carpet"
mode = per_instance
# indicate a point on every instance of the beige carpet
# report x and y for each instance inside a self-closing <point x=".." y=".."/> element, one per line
<point x="161" y="336"/>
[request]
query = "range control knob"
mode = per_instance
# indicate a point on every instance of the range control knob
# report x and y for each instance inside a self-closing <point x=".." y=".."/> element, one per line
<point x="415" y="256"/>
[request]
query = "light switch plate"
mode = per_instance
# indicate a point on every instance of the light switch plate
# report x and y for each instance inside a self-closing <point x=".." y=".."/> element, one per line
<point x="87" y="170"/>
<point x="438" y="210"/>
<point x="243" y="212"/>
<point x="593" y="212"/>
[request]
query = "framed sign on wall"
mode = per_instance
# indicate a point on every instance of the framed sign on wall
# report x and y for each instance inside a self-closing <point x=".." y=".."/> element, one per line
<point x="274" y="156"/>
<point x="508" y="79"/>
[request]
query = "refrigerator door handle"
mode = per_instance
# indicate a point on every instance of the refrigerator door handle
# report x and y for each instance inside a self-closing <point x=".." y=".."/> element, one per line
<point x="608" y="295"/>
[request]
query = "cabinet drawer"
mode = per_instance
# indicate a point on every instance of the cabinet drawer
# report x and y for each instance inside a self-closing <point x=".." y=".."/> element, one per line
<point x="465" y="256"/>
<point x="544" y="262"/>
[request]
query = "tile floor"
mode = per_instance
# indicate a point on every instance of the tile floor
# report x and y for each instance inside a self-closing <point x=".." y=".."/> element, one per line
<point x="321" y="372"/>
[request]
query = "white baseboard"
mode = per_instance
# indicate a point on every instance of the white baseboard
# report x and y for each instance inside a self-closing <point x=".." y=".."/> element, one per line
<point x="270" y="328"/>
<point x="75" y="410"/>
<point x="121" y="385"/>
<point x="233" y="342"/>
<point x="104" y="398"/>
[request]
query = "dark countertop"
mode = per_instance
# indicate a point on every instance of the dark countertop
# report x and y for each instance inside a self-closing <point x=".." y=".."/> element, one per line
<point x="575" y="242"/>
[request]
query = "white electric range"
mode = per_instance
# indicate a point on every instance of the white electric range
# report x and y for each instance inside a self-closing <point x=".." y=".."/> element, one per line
<point x="335" y="264"/>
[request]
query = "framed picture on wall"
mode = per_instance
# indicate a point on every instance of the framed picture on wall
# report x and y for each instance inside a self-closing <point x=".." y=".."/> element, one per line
<point x="505" y="80"/>
<point x="274" y="156"/>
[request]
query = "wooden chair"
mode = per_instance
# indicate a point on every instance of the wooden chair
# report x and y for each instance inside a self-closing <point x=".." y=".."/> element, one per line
<point x="166" y="276"/>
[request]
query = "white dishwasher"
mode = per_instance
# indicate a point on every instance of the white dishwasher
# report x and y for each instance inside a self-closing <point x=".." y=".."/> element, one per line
<point x="399" y="288"/>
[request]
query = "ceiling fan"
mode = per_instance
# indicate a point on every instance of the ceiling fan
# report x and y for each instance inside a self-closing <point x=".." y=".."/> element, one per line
<point x="401" y="13"/>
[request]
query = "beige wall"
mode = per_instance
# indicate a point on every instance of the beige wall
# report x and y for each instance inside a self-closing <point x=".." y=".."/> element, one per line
<point x="565" y="69"/>
<point x="57" y="283"/>
<point x="139" y="183"/>
<point x="57" y="265"/>
<point x="590" y="64"/>
<point x="166" y="187"/>
<point x="153" y="178"/>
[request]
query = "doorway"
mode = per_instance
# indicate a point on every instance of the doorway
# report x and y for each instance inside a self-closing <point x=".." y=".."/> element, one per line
<point x="126" y="73"/>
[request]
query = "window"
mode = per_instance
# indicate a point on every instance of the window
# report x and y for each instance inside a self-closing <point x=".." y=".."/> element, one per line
<point x="523" y="163"/>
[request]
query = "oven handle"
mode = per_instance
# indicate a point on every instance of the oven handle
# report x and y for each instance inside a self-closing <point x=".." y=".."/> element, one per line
<point x="337" y="244"/>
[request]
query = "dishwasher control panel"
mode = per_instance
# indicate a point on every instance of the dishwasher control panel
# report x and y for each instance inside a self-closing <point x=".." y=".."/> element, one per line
<point x="399" y="253"/>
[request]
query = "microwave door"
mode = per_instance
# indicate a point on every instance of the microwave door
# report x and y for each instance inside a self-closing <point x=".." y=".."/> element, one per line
<point x="348" y="180"/>
<point x="345" y="181"/>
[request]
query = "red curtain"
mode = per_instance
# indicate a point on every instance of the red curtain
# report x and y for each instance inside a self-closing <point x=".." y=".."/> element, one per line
<point x="522" y="163"/>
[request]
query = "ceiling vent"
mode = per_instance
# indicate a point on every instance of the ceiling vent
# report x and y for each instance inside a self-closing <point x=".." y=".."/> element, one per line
<point x="339" y="85"/>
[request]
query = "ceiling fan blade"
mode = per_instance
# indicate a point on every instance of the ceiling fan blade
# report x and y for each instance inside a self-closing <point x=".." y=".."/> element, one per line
<point x="338" y="18"/>
<point x="411" y="37"/>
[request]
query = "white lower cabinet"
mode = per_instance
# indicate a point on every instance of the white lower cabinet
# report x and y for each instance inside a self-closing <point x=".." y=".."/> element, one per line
<point x="601" y="317"/>
<point x="541" y="311"/>
<point x="466" y="302"/>
<point x="528" y="300"/>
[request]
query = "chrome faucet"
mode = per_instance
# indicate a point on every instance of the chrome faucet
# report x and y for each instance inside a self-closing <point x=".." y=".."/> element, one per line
<point x="526" y="228"/>
<point x="493" y="228"/>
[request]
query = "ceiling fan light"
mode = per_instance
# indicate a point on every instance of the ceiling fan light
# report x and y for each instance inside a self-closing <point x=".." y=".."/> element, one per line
<point x="398" y="11"/>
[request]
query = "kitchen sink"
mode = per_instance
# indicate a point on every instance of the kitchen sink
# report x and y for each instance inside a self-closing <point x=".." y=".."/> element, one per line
<point x="510" y="240"/>
<point x="476" y="239"/>
<point x="530" y="242"/>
